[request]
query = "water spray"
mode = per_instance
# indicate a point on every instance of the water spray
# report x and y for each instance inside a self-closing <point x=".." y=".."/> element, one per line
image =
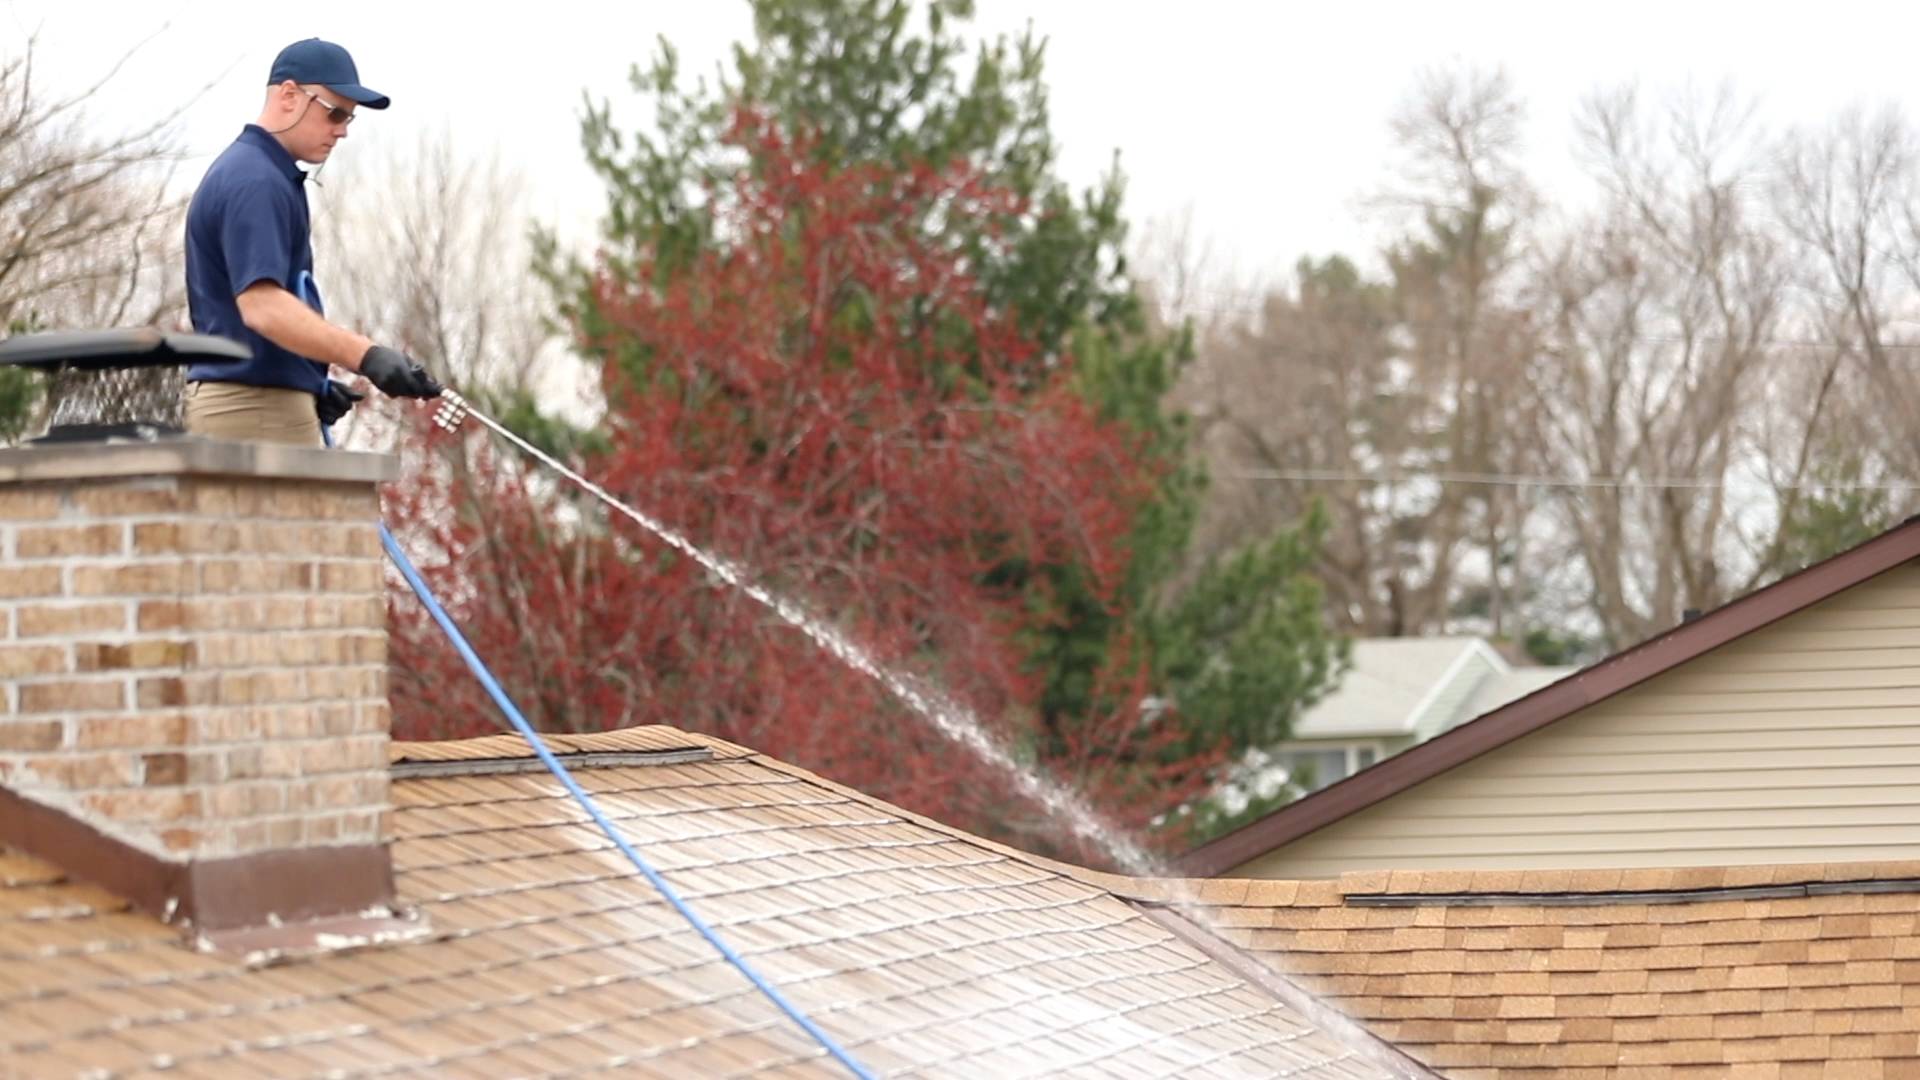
<point x="959" y="725"/>
<point x="947" y="716"/>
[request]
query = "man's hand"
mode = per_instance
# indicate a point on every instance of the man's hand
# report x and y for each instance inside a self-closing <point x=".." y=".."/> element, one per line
<point x="335" y="403"/>
<point x="396" y="374"/>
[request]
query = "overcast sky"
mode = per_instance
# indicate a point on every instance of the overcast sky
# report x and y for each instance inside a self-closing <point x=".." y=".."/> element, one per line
<point x="1262" y="120"/>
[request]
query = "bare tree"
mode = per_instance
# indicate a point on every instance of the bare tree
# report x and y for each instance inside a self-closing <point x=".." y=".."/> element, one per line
<point x="1654" y="405"/>
<point x="1846" y="196"/>
<point x="1662" y="309"/>
<point x="1183" y="279"/>
<point x="426" y="248"/>
<point x="1468" y="340"/>
<point x="1459" y="136"/>
<point x="89" y="234"/>
<point x="1300" y="403"/>
<point x="1359" y="393"/>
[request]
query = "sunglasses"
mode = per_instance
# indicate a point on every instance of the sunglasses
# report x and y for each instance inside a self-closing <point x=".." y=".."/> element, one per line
<point x="335" y="113"/>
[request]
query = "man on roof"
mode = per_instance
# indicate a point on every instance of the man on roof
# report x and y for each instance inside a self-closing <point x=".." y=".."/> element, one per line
<point x="249" y="267"/>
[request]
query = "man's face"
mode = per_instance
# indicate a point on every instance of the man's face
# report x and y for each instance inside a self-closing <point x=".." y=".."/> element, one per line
<point x="323" y="120"/>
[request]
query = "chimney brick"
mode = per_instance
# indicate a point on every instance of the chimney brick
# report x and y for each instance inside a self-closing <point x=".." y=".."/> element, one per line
<point x="29" y="581"/>
<point x="163" y="770"/>
<point x="32" y="735"/>
<point x="19" y="661"/>
<point x="55" y="541"/>
<point x="101" y="695"/>
<point x="193" y="644"/>
<point x="68" y="620"/>
<point x="29" y="505"/>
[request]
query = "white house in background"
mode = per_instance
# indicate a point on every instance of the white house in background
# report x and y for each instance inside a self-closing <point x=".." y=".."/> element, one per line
<point x="1398" y="693"/>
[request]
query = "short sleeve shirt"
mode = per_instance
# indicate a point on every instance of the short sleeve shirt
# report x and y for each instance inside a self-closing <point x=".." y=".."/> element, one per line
<point x="247" y="223"/>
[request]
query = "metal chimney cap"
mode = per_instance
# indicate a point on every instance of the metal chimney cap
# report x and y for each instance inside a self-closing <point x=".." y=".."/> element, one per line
<point x="100" y="350"/>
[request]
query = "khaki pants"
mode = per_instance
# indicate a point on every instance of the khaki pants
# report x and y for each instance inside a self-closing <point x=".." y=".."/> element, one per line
<point x="222" y="410"/>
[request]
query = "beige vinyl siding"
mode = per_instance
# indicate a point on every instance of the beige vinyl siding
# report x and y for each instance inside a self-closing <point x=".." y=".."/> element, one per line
<point x="1797" y="743"/>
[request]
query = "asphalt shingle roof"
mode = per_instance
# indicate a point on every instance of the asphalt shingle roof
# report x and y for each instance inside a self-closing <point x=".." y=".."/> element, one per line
<point x="1745" y="972"/>
<point x="923" y="950"/>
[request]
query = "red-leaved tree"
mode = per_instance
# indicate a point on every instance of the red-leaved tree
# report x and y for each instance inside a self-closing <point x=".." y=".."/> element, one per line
<point x="824" y="398"/>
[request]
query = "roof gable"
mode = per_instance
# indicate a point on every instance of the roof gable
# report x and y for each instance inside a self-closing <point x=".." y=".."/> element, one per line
<point x="1614" y="675"/>
<point x="1391" y="685"/>
<point x="1477" y="666"/>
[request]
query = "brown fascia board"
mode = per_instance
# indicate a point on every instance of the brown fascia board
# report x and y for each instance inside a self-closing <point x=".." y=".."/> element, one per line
<point x="1605" y="678"/>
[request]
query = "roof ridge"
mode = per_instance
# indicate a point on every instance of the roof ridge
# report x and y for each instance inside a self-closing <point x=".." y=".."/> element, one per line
<point x="1118" y="884"/>
<point x="1449" y="675"/>
<point x="503" y="745"/>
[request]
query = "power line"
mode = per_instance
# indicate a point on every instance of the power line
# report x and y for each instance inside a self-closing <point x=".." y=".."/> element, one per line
<point x="1229" y="303"/>
<point x="1646" y="339"/>
<point x="1522" y="480"/>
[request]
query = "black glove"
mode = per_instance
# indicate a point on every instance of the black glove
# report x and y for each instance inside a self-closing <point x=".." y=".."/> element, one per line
<point x="335" y="402"/>
<point x="396" y="374"/>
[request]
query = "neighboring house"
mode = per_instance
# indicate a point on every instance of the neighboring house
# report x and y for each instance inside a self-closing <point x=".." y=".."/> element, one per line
<point x="1781" y="728"/>
<point x="1397" y="693"/>
<point x="1770" y="972"/>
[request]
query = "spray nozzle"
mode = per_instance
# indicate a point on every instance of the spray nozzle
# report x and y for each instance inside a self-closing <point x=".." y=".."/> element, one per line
<point x="453" y="410"/>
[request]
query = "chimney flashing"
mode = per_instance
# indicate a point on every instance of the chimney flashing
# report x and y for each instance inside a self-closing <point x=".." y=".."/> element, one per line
<point x="260" y="889"/>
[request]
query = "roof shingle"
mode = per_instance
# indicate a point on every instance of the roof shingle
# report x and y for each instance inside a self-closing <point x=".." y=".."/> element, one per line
<point x="925" y="952"/>
<point x="1749" y="971"/>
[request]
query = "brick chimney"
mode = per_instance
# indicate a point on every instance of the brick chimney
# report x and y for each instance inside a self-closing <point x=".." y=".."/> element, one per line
<point x="193" y="642"/>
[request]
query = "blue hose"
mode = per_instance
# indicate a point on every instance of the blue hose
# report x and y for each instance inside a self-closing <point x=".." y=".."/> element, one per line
<point x="586" y="802"/>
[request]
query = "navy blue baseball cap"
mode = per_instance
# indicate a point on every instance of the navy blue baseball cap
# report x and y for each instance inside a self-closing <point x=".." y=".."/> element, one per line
<point x="323" y="62"/>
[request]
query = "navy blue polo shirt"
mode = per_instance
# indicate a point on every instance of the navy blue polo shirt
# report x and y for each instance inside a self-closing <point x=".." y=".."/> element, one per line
<point x="248" y="223"/>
